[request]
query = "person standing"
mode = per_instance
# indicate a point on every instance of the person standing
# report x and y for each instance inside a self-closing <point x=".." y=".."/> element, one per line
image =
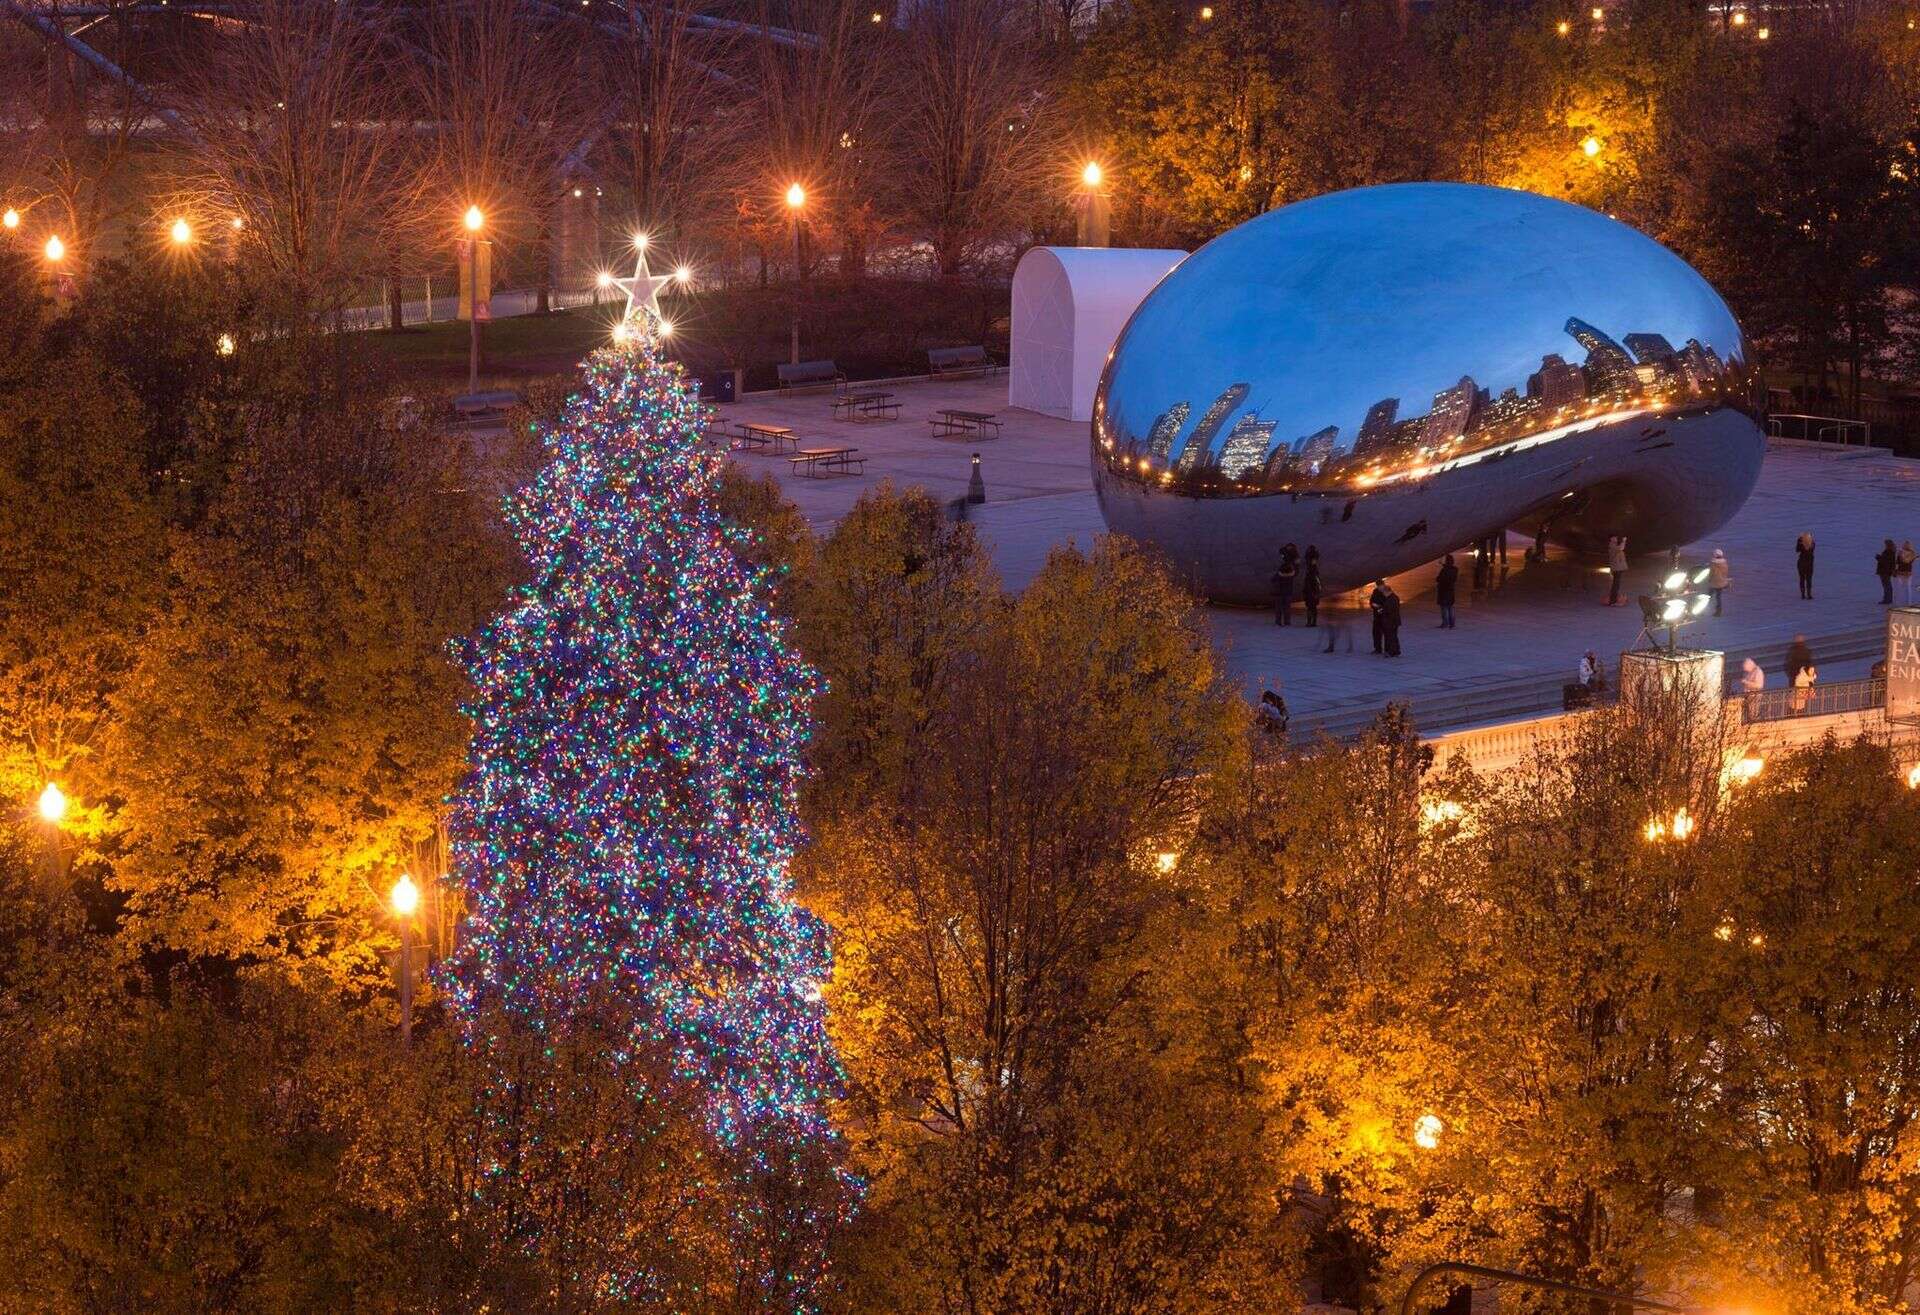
<point x="1752" y="681"/>
<point x="1799" y="657"/>
<point x="1719" y="576"/>
<point x="1391" y="621"/>
<point x="1445" y="587"/>
<point x="1377" y="604"/>
<point x="1803" y="561"/>
<point x="1310" y="589"/>
<point x="1283" y="585"/>
<point x="1903" y="571"/>
<point x="1592" y="675"/>
<point x="1884" y="564"/>
<point x="1616" y="566"/>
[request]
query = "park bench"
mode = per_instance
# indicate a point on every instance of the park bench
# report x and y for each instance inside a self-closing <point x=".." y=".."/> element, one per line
<point x="868" y="404"/>
<point x="486" y="403"/>
<point x="764" y="438"/>
<point x="979" y="424"/>
<point x="809" y="374"/>
<point x="819" y="462"/>
<point x="960" y="360"/>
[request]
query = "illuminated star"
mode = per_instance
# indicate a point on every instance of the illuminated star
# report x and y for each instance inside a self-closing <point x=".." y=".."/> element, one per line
<point x="643" y="290"/>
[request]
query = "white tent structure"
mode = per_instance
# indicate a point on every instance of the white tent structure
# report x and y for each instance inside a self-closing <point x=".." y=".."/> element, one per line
<point x="1069" y="304"/>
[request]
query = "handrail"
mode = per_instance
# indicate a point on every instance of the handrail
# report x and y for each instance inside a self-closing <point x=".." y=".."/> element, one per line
<point x="1839" y="427"/>
<point x="1816" y="700"/>
<point x="1431" y="1272"/>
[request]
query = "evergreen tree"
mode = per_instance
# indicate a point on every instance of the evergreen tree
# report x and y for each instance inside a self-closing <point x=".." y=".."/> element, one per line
<point x="625" y="827"/>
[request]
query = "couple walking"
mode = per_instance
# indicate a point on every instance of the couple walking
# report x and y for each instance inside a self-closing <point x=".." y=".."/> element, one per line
<point x="1294" y="571"/>
<point x="1892" y="564"/>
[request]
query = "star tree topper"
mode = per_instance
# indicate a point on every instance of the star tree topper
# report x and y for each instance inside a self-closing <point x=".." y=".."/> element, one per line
<point x="643" y="292"/>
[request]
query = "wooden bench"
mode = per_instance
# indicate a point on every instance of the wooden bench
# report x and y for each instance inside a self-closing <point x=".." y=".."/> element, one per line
<point x="819" y="462"/>
<point x="978" y="424"/>
<point x="865" y="405"/>
<point x="960" y="360"/>
<point x="809" y="374"/>
<point x="765" y="438"/>
<point x="486" y="403"/>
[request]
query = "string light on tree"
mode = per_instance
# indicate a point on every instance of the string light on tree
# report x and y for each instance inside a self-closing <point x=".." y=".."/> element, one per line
<point x="630" y="808"/>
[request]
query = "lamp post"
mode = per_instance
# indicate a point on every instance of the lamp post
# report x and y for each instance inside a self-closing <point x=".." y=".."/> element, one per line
<point x="1096" y="212"/>
<point x="405" y="900"/>
<point x="52" y="805"/>
<point x="475" y="267"/>
<point x="796" y="200"/>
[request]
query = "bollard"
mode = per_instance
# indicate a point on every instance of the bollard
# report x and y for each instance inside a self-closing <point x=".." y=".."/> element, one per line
<point x="976" y="486"/>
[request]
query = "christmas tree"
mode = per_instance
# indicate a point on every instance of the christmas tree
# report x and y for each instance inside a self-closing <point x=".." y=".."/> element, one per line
<point x="629" y="811"/>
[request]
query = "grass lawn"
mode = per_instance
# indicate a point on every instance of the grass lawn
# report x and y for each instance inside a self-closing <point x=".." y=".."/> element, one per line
<point x="517" y="348"/>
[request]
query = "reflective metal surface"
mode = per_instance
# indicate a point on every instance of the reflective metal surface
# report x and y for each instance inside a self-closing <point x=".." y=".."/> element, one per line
<point x="1394" y="372"/>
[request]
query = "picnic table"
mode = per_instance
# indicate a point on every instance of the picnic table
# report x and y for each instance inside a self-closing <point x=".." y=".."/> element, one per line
<point x="947" y="423"/>
<point x="819" y="462"/>
<point x="864" y="404"/>
<point x="763" y="438"/>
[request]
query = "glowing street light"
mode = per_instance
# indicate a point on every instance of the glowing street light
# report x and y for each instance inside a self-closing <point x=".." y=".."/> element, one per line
<point x="1206" y="13"/>
<point x="1165" y="861"/>
<point x="796" y="198"/>
<point x="1092" y="174"/>
<point x="1762" y="34"/>
<point x="1591" y="146"/>
<point x="1563" y="27"/>
<point x="1599" y="14"/>
<point x="1426" y="1132"/>
<point x="474" y="219"/>
<point x="181" y="232"/>
<point x="405" y="900"/>
<point x="1740" y="19"/>
<point x="11" y="219"/>
<point x="225" y="345"/>
<point x="796" y="195"/>
<point x="1748" y="768"/>
<point x="405" y="897"/>
<point x="52" y="804"/>
<point x="56" y="249"/>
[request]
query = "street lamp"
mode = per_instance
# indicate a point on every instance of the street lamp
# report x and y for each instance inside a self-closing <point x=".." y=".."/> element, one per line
<point x="11" y="219"/>
<point x="405" y="899"/>
<point x="796" y="201"/>
<point x="182" y="232"/>
<point x="1591" y="146"/>
<point x="1426" y="1132"/>
<point x="1095" y="212"/>
<point x="470" y="253"/>
<point x="1563" y="27"/>
<point x="52" y="804"/>
<point x="56" y="249"/>
<point x="225" y="344"/>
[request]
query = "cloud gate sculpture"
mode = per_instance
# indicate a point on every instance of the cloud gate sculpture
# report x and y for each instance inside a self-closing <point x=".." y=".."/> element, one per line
<point x="1394" y="372"/>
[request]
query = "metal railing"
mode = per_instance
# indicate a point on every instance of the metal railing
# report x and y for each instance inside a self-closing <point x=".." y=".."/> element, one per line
<point x="1814" y="701"/>
<point x="1820" y="429"/>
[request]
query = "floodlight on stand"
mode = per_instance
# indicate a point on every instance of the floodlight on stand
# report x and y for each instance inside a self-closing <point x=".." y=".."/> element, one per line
<point x="1700" y="602"/>
<point x="1674" y="582"/>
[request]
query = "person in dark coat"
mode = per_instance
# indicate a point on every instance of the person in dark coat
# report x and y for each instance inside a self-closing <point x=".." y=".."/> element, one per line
<point x="1884" y="564"/>
<point x="1310" y="588"/>
<point x="1803" y="560"/>
<point x="1390" y="621"/>
<point x="1445" y="585"/>
<point x="1283" y="580"/>
<point x="1799" y="658"/>
<point x="1273" y="713"/>
<point x="1377" y="604"/>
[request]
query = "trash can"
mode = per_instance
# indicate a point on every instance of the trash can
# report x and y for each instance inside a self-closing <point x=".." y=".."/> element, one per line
<point x="721" y="386"/>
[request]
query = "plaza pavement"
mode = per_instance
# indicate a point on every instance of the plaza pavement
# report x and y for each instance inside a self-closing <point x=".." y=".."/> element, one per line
<point x="1514" y="646"/>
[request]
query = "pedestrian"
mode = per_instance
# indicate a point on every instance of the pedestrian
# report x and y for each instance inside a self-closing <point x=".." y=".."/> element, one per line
<point x="1377" y="604"/>
<point x="1391" y="621"/>
<point x="1283" y="585"/>
<point x="1445" y="586"/>
<point x="1752" y="680"/>
<point x="1273" y="712"/>
<point x="1310" y="588"/>
<point x="1719" y="576"/>
<point x="1885" y="562"/>
<point x="1616" y="566"/>
<point x="1798" y="657"/>
<point x="1803" y="560"/>
<point x="1803" y="687"/>
<point x="1903" y="571"/>
<point x="1540" y="543"/>
<point x="1593" y="677"/>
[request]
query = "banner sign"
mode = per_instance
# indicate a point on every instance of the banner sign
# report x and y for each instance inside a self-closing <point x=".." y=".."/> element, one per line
<point x="1903" y="664"/>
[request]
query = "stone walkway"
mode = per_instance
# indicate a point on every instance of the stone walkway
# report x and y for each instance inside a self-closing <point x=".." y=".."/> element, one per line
<point x="1529" y="629"/>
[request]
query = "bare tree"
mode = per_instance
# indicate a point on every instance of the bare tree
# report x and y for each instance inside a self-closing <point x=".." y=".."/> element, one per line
<point x="299" y="142"/>
<point x="818" y="72"/>
<point x="972" y="127"/>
